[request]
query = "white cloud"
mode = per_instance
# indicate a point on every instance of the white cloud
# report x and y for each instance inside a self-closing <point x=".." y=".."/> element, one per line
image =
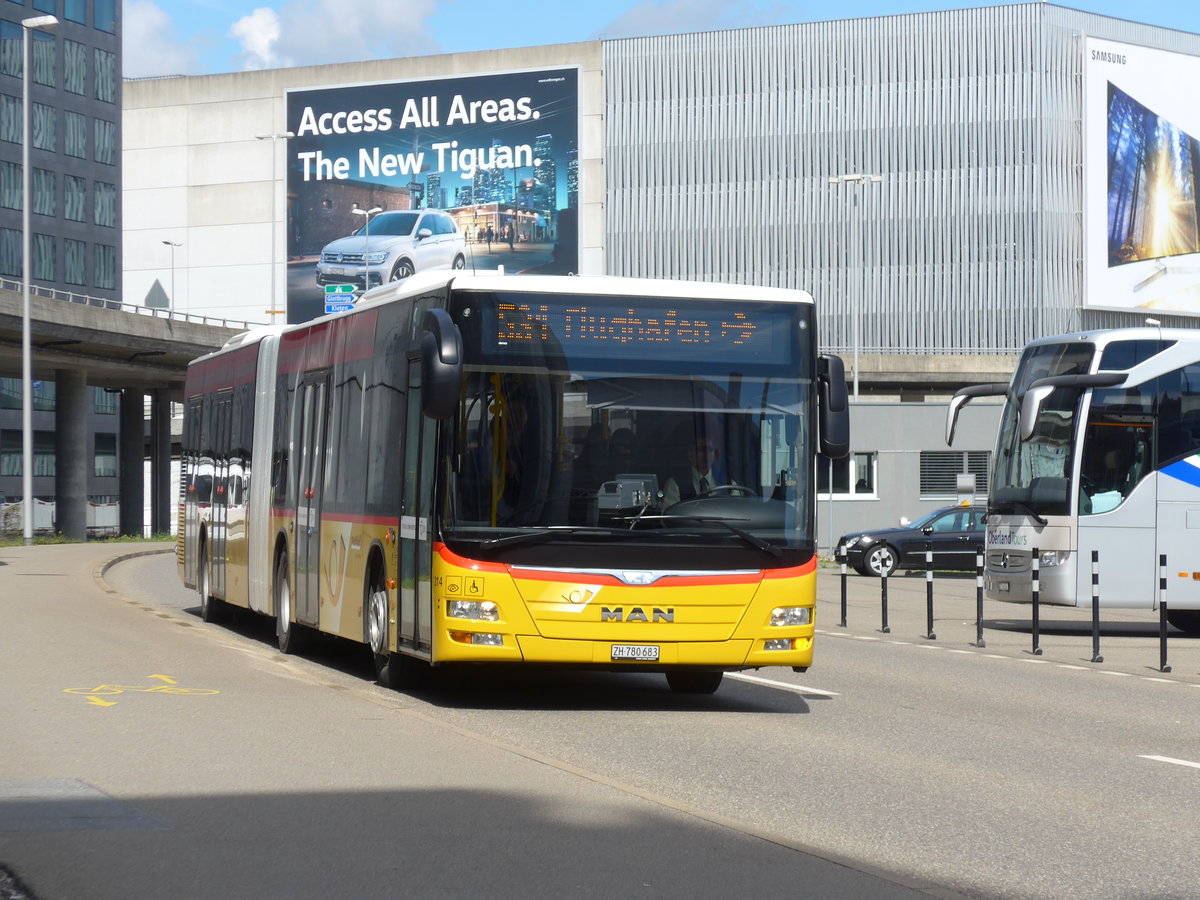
<point x="258" y="33"/>
<point x="655" y="17"/>
<point x="313" y="32"/>
<point x="150" y="44"/>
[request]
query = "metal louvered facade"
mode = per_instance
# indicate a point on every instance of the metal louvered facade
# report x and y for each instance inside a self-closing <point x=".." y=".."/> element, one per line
<point x="720" y="146"/>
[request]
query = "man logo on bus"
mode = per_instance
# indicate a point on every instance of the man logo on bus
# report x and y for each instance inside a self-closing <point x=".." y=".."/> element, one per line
<point x="636" y="614"/>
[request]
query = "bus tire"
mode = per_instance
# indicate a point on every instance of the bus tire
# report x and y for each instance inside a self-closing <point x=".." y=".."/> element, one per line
<point x="1185" y="619"/>
<point x="290" y="635"/>
<point x="211" y="609"/>
<point x="392" y="670"/>
<point x="690" y="681"/>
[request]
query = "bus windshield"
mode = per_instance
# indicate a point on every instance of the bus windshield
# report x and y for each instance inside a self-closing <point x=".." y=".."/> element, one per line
<point x="1034" y="476"/>
<point x="632" y="432"/>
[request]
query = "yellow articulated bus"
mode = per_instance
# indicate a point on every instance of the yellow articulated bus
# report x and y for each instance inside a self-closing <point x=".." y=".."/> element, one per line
<point x="472" y="468"/>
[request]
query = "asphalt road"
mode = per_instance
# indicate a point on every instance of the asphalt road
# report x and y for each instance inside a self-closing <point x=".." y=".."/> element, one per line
<point x="898" y="763"/>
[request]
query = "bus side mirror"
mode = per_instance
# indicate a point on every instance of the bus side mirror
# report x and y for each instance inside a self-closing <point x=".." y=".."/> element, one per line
<point x="1031" y="408"/>
<point x="833" y="407"/>
<point x="441" y="365"/>
<point x="963" y="396"/>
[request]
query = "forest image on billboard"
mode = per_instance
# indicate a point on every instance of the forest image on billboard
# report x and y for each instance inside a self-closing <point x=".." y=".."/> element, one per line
<point x="471" y="173"/>
<point x="1153" y="172"/>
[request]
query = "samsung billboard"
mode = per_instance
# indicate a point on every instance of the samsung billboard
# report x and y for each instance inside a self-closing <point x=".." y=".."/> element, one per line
<point x="472" y="172"/>
<point x="1142" y="176"/>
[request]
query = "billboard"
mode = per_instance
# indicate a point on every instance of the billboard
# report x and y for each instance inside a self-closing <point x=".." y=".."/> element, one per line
<point x="1142" y="177"/>
<point x="469" y="172"/>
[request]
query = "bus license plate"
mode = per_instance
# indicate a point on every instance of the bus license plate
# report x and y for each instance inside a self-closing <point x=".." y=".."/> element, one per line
<point x="640" y="652"/>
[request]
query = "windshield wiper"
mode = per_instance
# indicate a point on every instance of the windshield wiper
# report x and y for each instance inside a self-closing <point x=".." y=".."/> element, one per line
<point x="752" y="539"/>
<point x="548" y="534"/>
<point x="1018" y="506"/>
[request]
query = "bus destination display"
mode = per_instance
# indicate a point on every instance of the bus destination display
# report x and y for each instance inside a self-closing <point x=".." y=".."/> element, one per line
<point x="645" y="327"/>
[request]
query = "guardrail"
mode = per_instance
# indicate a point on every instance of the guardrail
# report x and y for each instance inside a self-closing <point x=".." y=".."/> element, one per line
<point x="105" y="303"/>
<point x="1161" y="606"/>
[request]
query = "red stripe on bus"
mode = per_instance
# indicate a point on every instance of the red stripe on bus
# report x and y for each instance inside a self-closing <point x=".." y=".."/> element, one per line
<point x="531" y="574"/>
<point x="224" y="371"/>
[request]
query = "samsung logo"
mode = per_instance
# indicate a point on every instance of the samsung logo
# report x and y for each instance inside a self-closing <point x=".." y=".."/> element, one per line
<point x="1105" y="56"/>
<point x="636" y="614"/>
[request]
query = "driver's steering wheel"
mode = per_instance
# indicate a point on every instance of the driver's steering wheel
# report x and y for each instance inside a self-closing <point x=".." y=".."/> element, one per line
<point x="729" y="489"/>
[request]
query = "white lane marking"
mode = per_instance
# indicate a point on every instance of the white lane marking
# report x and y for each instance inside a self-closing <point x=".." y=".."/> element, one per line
<point x="1168" y="759"/>
<point x="1116" y="674"/>
<point x="782" y="685"/>
<point x="1065" y="666"/>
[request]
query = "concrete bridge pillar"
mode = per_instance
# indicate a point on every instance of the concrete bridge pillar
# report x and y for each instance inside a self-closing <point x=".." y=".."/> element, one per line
<point x="160" y="463"/>
<point x="73" y="458"/>
<point x="132" y="451"/>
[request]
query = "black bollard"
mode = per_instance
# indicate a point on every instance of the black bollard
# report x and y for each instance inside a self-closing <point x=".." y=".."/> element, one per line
<point x="1096" y="657"/>
<point x="979" y="642"/>
<point x="842" y="553"/>
<point x="929" y="592"/>
<point x="884" y="600"/>
<point x="1162" y="613"/>
<point x="1035" y="588"/>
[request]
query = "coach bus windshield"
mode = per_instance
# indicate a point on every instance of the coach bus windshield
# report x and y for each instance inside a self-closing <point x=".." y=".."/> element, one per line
<point x="631" y="432"/>
<point x="1034" y="476"/>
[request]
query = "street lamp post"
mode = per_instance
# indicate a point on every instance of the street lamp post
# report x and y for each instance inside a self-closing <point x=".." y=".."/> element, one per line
<point x="27" y="25"/>
<point x="374" y="210"/>
<point x="857" y="179"/>
<point x="273" y="138"/>
<point x="172" y="245"/>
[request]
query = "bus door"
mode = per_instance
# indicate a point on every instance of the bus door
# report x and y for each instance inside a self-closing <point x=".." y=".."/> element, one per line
<point x="190" y="477"/>
<point x="313" y="403"/>
<point x="219" y="526"/>
<point x="416" y="543"/>
<point x="1118" y="510"/>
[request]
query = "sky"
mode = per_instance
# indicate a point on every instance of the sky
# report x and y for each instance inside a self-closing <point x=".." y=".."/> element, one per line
<point x="203" y="37"/>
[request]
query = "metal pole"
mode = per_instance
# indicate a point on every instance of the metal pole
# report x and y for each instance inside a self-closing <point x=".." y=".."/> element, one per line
<point x="1162" y="614"/>
<point x="843" y="622"/>
<point x="979" y="642"/>
<point x="1035" y="584"/>
<point x="883" y="596"/>
<point x="929" y="592"/>
<point x="857" y="324"/>
<point x="26" y="364"/>
<point x="1096" y="657"/>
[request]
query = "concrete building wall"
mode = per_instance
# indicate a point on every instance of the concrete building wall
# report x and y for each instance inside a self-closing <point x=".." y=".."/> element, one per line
<point x="898" y="433"/>
<point x="195" y="172"/>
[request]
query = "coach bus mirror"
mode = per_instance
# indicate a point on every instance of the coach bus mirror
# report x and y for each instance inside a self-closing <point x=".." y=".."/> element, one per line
<point x="963" y="396"/>
<point x="441" y="365"/>
<point x="1031" y="408"/>
<point x="833" y="407"/>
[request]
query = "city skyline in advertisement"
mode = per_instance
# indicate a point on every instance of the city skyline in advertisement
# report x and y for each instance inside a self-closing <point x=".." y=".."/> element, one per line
<point x="497" y="153"/>
<point x="1142" y="172"/>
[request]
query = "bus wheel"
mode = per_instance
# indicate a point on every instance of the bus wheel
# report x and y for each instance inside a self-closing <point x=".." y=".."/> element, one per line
<point x="392" y="670"/>
<point x="685" y="681"/>
<point x="210" y="606"/>
<point x="1185" y="619"/>
<point x="289" y="634"/>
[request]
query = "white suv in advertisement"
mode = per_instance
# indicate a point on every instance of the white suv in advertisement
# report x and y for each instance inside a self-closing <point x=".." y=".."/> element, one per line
<point x="396" y="244"/>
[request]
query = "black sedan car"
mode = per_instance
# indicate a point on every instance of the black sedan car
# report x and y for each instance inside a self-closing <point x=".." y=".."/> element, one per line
<point x="954" y="534"/>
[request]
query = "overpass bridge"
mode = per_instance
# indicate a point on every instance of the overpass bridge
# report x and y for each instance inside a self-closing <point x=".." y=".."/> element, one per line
<point x="83" y="342"/>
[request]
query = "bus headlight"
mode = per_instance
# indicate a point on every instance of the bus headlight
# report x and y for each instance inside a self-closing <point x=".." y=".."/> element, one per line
<point x="1053" y="557"/>
<point x="791" y="615"/>
<point x="481" y="610"/>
